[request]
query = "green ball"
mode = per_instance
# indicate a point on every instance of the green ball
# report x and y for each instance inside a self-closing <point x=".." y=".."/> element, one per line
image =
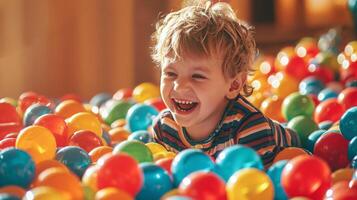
<point x="136" y="149"/>
<point x="297" y="104"/>
<point x="303" y="126"/>
<point x="115" y="110"/>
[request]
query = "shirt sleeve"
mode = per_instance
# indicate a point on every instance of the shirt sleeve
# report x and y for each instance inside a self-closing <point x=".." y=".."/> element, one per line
<point x="264" y="136"/>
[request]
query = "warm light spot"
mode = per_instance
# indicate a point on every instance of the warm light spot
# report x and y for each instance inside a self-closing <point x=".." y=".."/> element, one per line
<point x="348" y="50"/>
<point x="279" y="76"/>
<point x="284" y="60"/>
<point x="354" y="57"/>
<point x="311" y="67"/>
<point x="271" y="79"/>
<point x="340" y="58"/>
<point x="345" y="64"/>
<point x="256" y="84"/>
<point x="265" y="67"/>
<point x="301" y="52"/>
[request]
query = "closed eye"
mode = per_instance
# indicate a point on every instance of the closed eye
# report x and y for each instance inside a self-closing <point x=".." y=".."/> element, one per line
<point x="198" y="76"/>
<point x="170" y="74"/>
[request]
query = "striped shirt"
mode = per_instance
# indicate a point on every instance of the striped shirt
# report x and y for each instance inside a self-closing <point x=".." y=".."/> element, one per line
<point x="241" y="123"/>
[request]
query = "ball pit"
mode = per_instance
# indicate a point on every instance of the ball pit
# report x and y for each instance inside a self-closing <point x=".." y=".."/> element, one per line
<point x="68" y="149"/>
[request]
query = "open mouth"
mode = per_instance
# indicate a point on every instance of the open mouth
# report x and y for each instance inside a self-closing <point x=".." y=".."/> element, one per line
<point x="184" y="105"/>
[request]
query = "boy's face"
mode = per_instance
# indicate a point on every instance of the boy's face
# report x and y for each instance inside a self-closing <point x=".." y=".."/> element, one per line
<point x="194" y="90"/>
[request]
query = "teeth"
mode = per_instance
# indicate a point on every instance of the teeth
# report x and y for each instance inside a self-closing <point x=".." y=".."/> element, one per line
<point x="184" y="102"/>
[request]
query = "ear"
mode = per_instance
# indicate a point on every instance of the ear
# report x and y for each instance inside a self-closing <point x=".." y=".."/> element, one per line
<point x="236" y="85"/>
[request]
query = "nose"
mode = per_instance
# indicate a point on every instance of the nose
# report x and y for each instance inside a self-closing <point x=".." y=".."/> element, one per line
<point x="181" y="84"/>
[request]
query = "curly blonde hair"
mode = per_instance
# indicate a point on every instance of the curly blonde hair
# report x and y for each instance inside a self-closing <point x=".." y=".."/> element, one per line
<point x="206" y="30"/>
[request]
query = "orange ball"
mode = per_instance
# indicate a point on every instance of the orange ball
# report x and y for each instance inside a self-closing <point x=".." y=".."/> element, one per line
<point x="98" y="152"/>
<point x="289" y="153"/>
<point x="118" y="135"/>
<point x="110" y="193"/>
<point x="67" y="108"/>
<point x="13" y="190"/>
<point x="271" y="107"/>
<point x="284" y="85"/>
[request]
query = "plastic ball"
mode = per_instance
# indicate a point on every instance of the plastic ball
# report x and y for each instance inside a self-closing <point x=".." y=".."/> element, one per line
<point x="285" y="85"/>
<point x="326" y="93"/>
<point x="26" y="99"/>
<point x="203" y="185"/>
<point x="188" y="161"/>
<point x="344" y="174"/>
<point x="348" y="98"/>
<point x="270" y="108"/>
<point x="297" y="104"/>
<point x="8" y="113"/>
<point x="98" y="152"/>
<point x="140" y="117"/>
<point x="142" y="136"/>
<point x="296" y="67"/>
<point x="112" y="193"/>
<point x="351" y="83"/>
<point x="17" y="168"/>
<point x="165" y="163"/>
<point x="7" y="142"/>
<point x="56" y="125"/>
<point x="84" y="121"/>
<point x="67" y="108"/>
<point x="89" y="177"/>
<point x="75" y="158"/>
<point x="283" y="57"/>
<point x="310" y="173"/>
<point x="136" y="149"/>
<point x="120" y="171"/>
<point x="237" y="157"/>
<point x="250" y="184"/>
<point x="145" y="91"/>
<point x="307" y="47"/>
<point x="155" y="147"/>
<point x="341" y="191"/>
<point x="274" y="172"/>
<point x="352" y="148"/>
<point x="325" y="125"/>
<point x="158" y="103"/>
<point x="38" y="141"/>
<point x="33" y="112"/>
<point x="118" y="135"/>
<point x="85" y="139"/>
<point x="289" y="153"/>
<point x="348" y="123"/>
<point x="13" y="190"/>
<point x="333" y="148"/>
<point x="45" y="193"/>
<point x="46" y="164"/>
<point x="303" y="126"/>
<point x="354" y="162"/>
<point x="71" y="96"/>
<point x="113" y="110"/>
<point x="329" y="110"/>
<point x="312" y="138"/>
<point x="156" y="182"/>
<point x="7" y="128"/>
<point x="123" y="94"/>
<point x="61" y="180"/>
<point x="311" y="85"/>
<point x="99" y="99"/>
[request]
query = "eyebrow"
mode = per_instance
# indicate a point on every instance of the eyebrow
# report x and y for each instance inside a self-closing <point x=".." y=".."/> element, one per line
<point x="201" y="68"/>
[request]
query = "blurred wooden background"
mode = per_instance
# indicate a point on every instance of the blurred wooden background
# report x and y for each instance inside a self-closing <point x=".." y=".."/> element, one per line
<point x="55" y="47"/>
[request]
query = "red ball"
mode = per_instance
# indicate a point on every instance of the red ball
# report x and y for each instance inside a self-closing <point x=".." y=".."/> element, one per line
<point x="122" y="94"/>
<point x="307" y="176"/>
<point x="57" y="125"/>
<point x="348" y="98"/>
<point x="165" y="163"/>
<point x="6" y="128"/>
<point x="323" y="73"/>
<point x="120" y="171"/>
<point x="157" y="103"/>
<point x="330" y="110"/>
<point x="8" y="113"/>
<point x="204" y="186"/>
<point x="85" y="139"/>
<point x="7" y="142"/>
<point x="297" y="67"/>
<point x="71" y="96"/>
<point x="333" y="148"/>
<point x="28" y="98"/>
<point x="341" y="191"/>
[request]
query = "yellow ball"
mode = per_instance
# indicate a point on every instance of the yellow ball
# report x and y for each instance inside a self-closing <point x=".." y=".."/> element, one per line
<point x="250" y="184"/>
<point x="145" y="91"/>
<point x="45" y="193"/>
<point x="38" y="141"/>
<point x="110" y="193"/>
<point x="155" y="147"/>
<point x="84" y="121"/>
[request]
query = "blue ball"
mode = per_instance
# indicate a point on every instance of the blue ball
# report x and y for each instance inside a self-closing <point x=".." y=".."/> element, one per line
<point x="157" y="182"/>
<point x="188" y="161"/>
<point x="33" y="112"/>
<point x="99" y="99"/>
<point x="354" y="165"/>
<point x="16" y="168"/>
<point x="311" y="85"/>
<point x="312" y="138"/>
<point x="6" y="196"/>
<point x="325" y="125"/>
<point x="237" y="157"/>
<point x="351" y="83"/>
<point x="348" y="123"/>
<point x="142" y="136"/>
<point x="140" y="117"/>
<point x="106" y="137"/>
<point x="274" y="172"/>
<point x="75" y="158"/>
<point x="355" y="175"/>
<point x="352" y="148"/>
<point x="326" y="93"/>
<point x="178" y="197"/>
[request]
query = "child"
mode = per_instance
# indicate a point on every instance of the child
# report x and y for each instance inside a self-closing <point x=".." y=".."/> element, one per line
<point x="205" y="54"/>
